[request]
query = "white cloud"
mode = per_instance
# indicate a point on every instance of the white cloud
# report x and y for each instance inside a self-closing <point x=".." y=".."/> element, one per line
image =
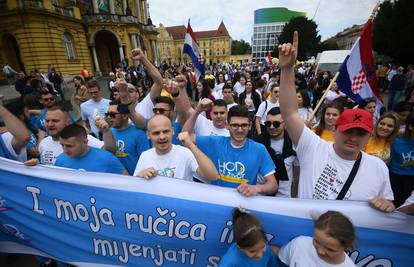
<point x="332" y="16"/>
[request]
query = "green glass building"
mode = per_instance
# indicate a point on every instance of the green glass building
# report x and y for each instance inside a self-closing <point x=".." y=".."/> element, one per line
<point x="268" y="25"/>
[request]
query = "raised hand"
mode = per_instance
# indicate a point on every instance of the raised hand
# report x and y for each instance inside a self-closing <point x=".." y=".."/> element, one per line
<point x="122" y="86"/>
<point x="137" y="54"/>
<point x="204" y="105"/>
<point x="185" y="138"/>
<point x="288" y="53"/>
<point x="102" y="124"/>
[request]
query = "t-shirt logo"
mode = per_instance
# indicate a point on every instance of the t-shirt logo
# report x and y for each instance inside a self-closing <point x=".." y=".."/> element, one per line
<point x="232" y="172"/>
<point x="120" y="149"/>
<point x="167" y="172"/>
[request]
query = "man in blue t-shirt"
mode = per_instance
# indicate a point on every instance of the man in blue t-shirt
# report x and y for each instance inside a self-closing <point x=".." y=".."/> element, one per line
<point x="78" y="155"/>
<point x="238" y="159"/>
<point x="130" y="141"/>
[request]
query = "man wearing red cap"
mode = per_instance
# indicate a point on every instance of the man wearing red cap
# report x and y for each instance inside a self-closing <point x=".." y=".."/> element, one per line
<point x="338" y="170"/>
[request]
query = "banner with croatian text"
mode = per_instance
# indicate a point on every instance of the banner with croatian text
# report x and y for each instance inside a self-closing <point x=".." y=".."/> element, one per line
<point x="95" y="219"/>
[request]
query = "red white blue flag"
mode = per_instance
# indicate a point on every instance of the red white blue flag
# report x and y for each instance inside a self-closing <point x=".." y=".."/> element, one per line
<point x="357" y="77"/>
<point x="191" y="49"/>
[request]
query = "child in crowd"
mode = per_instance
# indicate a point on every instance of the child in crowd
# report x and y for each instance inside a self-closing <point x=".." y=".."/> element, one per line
<point x="250" y="248"/>
<point x="333" y="234"/>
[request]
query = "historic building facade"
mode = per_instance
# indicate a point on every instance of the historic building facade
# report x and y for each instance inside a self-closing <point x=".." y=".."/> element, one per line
<point x="215" y="45"/>
<point x="71" y="34"/>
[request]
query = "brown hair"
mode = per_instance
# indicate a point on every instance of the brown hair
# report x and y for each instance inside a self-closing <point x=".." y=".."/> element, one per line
<point x="338" y="226"/>
<point x="247" y="229"/>
<point x="93" y="83"/>
<point x="392" y="115"/>
<point x="321" y="126"/>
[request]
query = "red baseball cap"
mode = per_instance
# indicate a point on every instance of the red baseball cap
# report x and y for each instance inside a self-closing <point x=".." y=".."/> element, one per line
<point x="355" y="118"/>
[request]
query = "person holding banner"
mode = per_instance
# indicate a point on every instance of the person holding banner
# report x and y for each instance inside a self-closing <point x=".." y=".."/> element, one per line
<point x="79" y="155"/>
<point x="233" y="158"/>
<point x="169" y="160"/>
<point x="339" y="170"/>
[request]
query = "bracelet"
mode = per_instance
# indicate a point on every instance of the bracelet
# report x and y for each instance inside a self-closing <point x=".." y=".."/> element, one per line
<point x="176" y="94"/>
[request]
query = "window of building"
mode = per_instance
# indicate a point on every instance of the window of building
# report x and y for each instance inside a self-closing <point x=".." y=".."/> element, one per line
<point x="211" y="52"/>
<point x="68" y="41"/>
<point x="224" y="51"/>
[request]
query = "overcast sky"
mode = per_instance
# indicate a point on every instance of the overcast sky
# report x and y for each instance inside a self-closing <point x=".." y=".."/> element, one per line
<point x="332" y="16"/>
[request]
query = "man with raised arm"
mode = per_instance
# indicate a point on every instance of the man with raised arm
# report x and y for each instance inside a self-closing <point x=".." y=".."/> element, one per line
<point x="174" y="161"/>
<point x="326" y="167"/>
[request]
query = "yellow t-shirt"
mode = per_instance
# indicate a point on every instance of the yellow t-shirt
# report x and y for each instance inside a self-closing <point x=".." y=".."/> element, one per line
<point x="326" y="135"/>
<point x="381" y="149"/>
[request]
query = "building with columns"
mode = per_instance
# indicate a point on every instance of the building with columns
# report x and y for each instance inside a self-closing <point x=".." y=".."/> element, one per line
<point x="214" y="45"/>
<point x="69" y="34"/>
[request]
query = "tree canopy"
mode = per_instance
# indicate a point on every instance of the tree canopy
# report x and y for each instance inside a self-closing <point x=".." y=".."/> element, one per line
<point x="309" y="39"/>
<point x="240" y="47"/>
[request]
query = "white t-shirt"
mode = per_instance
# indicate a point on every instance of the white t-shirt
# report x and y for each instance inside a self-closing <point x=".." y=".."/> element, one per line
<point x="229" y="106"/>
<point x="409" y="201"/>
<point x="238" y="88"/>
<point x="285" y="187"/>
<point x="323" y="173"/>
<point x="90" y="109"/>
<point x="304" y="113"/>
<point x="145" y="107"/>
<point x="179" y="163"/>
<point x="7" y="139"/>
<point x="263" y="110"/>
<point x="300" y="252"/>
<point x="50" y="149"/>
<point x="204" y="126"/>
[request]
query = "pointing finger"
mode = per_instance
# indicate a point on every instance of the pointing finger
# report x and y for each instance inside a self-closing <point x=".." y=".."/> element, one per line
<point x="295" y="39"/>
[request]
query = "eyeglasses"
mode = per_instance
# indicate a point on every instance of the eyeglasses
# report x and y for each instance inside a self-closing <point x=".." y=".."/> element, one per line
<point x="275" y="124"/>
<point x="132" y="90"/>
<point x="160" y="110"/>
<point x="236" y="126"/>
<point x="48" y="99"/>
<point x="111" y="114"/>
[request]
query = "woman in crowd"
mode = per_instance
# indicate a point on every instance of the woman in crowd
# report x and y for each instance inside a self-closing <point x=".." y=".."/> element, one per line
<point x="304" y="106"/>
<point x="205" y="91"/>
<point x="250" y="248"/>
<point x="251" y="99"/>
<point x="385" y="131"/>
<point x="80" y="95"/>
<point x="333" y="234"/>
<point x="402" y="163"/>
<point x="370" y="105"/>
<point x="326" y="127"/>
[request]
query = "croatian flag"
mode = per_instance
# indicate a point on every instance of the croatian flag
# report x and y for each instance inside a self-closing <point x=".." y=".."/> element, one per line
<point x="191" y="49"/>
<point x="357" y="77"/>
<point x="268" y="60"/>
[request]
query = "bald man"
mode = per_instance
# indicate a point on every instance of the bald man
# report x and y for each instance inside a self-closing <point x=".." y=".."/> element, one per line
<point x="169" y="160"/>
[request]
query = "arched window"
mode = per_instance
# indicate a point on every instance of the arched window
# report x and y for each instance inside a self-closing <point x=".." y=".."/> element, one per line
<point x="68" y="41"/>
<point x="224" y="51"/>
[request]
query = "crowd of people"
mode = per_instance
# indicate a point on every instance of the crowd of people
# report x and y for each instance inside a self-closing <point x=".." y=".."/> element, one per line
<point x="250" y="127"/>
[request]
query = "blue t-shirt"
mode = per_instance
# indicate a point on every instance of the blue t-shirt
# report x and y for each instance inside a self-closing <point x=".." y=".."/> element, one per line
<point x="402" y="156"/>
<point x="95" y="160"/>
<point x="234" y="257"/>
<point x="177" y="130"/>
<point x="236" y="165"/>
<point x="130" y="143"/>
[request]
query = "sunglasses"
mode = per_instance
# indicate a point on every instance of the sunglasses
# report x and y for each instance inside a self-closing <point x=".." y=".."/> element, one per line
<point x="160" y="110"/>
<point x="111" y="115"/>
<point x="275" y="124"/>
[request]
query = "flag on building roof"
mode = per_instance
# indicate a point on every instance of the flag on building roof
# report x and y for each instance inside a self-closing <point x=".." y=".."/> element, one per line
<point x="191" y="49"/>
<point x="357" y="77"/>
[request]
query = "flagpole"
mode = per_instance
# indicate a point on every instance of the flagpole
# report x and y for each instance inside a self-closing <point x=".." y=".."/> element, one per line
<point x="323" y="97"/>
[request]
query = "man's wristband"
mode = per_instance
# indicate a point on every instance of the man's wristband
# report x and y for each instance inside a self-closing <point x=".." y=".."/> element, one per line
<point x="176" y="94"/>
